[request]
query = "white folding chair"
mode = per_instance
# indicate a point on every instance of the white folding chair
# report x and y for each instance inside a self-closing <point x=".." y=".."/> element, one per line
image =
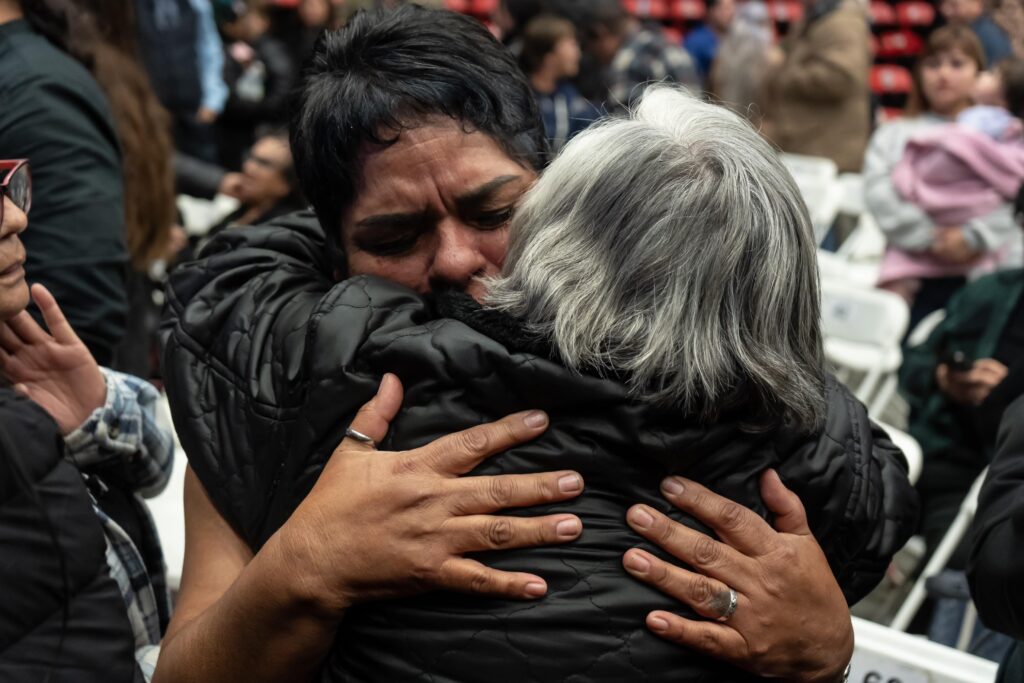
<point x="863" y="329"/>
<point x="919" y="335"/>
<point x="818" y="181"/>
<point x="957" y="530"/>
<point x="911" y="450"/>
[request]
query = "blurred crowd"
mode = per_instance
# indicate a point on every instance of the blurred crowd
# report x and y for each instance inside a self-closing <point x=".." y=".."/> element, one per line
<point x="153" y="126"/>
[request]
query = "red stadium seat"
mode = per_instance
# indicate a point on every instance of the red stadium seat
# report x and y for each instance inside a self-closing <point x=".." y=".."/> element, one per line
<point x="899" y="45"/>
<point x="890" y="79"/>
<point x="673" y="35"/>
<point x="887" y="114"/>
<point x="915" y="14"/>
<point x="686" y="11"/>
<point x="647" y="9"/>
<point x="882" y="15"/>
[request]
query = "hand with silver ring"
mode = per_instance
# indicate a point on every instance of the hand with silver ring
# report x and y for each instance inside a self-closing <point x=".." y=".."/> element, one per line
<point x="769" y="600"/>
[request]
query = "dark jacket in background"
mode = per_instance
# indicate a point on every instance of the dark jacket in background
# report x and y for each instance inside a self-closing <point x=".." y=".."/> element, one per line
<point x="996" y="567"/>
<point x="267" y="359"/>
<point x="54" y="114"/>
<point x="243" y="114"/>
<point x="35" y="538"/>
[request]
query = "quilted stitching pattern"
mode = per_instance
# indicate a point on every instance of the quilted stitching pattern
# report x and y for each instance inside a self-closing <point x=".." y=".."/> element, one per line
<point x="266" y="360"/>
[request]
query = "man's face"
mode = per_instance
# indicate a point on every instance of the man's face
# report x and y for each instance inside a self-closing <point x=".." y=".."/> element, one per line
<point x="264" y="170"/>
<point x="433" y="209"/>
<point x="721" y="15"/>
<point x="13" y="288"/>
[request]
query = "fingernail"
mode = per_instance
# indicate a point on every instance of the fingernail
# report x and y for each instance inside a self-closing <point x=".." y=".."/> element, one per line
<point x="657" y="624"/>
<point x="383" y="382"/>
<point x="535" y="589"/>
<point x="570" y="483"/>
<point x="568" y="528"/>
<point x="672" y="486"/>
<point x="535" y="419"/>
<point x="638" y="563"/>
<point x="642" y="518"/>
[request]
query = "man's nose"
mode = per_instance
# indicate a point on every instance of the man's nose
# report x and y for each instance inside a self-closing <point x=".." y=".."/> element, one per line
<point x="458" y="258"/>
<point x="15" y="220"/>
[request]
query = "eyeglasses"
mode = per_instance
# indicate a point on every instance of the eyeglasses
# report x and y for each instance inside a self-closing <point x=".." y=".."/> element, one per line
<point x="16" y="185"/>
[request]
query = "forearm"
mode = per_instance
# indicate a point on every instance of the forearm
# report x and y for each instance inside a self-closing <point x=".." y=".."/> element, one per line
<point x="261" y="629"/>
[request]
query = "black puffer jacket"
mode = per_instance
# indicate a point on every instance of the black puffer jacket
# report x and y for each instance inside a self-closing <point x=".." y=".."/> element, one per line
<point x="266" y="361"/>
<point x="95" y="642"/>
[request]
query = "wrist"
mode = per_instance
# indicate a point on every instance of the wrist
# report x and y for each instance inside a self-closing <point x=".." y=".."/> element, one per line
<point x="308" y="586"/>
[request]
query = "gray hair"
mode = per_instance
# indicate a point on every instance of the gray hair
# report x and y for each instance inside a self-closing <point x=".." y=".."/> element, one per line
<point x="672" y="249"/>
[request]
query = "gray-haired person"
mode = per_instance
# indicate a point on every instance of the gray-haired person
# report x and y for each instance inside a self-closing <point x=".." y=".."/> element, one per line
<point x="659" y="303"/>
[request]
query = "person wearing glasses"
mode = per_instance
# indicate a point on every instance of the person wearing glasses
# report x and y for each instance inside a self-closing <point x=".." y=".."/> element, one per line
<point x="267" y="187"/>
<point x="77" y="443"/>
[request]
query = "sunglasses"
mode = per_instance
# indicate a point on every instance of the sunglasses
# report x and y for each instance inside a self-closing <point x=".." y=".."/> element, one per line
<point x="16" y="185"/>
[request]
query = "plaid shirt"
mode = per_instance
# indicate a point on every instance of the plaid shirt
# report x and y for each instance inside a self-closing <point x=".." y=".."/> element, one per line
<point x="647" y="57"/>
<point x="121" y="440"/>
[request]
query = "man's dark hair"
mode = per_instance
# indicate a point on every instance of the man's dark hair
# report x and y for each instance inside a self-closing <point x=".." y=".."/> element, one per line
<point x="389" y="70"/>
<point x="540" y="37"/>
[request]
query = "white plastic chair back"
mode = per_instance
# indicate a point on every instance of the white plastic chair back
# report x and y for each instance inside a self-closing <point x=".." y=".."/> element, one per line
<point x="911" y="450"/>
<point x="925" y="327"/>
<point x="866" y="244"/>
<point x="871" y="317"/>
<point x="818" y="181"/>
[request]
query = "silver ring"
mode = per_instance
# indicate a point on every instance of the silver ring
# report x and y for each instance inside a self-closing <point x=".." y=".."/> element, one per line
<point x="729" y="608"/>
<point x="359" y="436"/>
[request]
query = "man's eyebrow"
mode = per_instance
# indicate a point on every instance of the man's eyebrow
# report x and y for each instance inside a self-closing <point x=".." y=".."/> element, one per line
<point x="482" y="193"/>
<point x="393" y="220"/>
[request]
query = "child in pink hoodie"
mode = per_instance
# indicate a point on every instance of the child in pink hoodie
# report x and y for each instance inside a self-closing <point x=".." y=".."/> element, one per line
<point x="958" y="172"/>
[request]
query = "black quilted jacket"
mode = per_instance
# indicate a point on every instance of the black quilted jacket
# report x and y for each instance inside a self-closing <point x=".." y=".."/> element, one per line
<point x="62" y="617"/>
<point x="266" y="361"/>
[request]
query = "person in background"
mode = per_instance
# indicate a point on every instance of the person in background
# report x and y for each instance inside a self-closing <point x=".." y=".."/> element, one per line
<point x="972" y="14"/>
<point x="632" y="54"/>
<point x="995" y="565"/>
<point x="817" y="99"/>
<point x="55" y="113"/>
<point x="183" y="54"/>
<point x="268" y="187"/>
<point x="959" y="172"/>
<point x="104" y="41"/>
<point x="549" y="55"/>
<point x="260" y="74"/>
<point x="702" y="42"/>
<point x="944" y="79"/>
<point x="737" y="75"/>
<point x="109" y="575"/>
<point x="1009" y="16"/>
<point x="511" y="17"/>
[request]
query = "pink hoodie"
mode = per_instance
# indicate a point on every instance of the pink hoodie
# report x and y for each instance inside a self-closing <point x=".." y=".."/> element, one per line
<point x="954" y="174"/>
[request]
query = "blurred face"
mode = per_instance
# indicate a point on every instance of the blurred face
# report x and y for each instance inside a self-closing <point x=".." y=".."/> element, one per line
<point x="566" y="56"/>
<point x="433" y="209"/>
<point x="263" y="172"/>
<point x="961" y="11"/>
<point x="314" y="13"/>
<point x="13" y="288"/>
<point x="947" y="79"/>
<point x="721" y="15"/>
<point x="604" y="44"/>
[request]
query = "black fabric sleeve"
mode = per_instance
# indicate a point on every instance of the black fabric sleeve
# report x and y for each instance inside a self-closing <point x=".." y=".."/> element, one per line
<point x="996" y="567"/>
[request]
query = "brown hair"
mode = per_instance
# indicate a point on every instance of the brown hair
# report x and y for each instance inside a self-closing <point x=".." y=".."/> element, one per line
<point x="945" y="39"/>
<point x="1011" y="72"/>
<point x="101" y="35"/>
<point x="540" y="37"/>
